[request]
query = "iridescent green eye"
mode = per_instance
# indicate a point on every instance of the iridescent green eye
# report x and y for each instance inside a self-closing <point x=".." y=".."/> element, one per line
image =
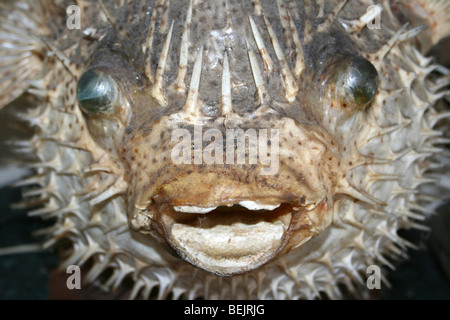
<point x="96" y="92"/>
<point x="357" y="82"/>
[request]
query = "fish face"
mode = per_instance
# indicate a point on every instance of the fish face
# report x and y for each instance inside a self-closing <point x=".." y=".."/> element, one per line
<point x="227" y="179"/>
<point x="222" y="216"/>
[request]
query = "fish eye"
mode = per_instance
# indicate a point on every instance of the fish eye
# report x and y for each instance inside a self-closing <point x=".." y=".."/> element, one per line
<point x="96" y="92"/>
<point x="356" y="82"/>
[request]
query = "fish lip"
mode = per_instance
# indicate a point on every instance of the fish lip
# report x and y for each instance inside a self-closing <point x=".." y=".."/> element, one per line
<point x="154" y="204"/>
<point x="208" y="246"/>
<point x="181" y="235"/>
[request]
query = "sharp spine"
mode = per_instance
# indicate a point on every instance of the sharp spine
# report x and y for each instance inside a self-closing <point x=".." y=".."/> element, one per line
<point x="355" y="26"/>
<point x="257" y="76"/>
<point x="191" y="106"/>
<point x="289" y="80"/>
<point x="258" y="8"/>
<point x="148" y="48"/>
<point x="267" y="60"/>
<point x="331" y="17"/>
<point x="158" y="90"/>
<point x="180" y="84"/>
<point x="299" y="56"/>
<point x="227" y="106"/>
<point x="285" y="24"/>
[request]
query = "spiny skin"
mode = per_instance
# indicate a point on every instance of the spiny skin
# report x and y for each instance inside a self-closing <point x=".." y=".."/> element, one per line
<point x="349" y="176"/>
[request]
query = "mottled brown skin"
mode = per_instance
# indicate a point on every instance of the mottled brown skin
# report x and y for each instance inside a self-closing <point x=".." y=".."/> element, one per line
<point x="154" y="179"/>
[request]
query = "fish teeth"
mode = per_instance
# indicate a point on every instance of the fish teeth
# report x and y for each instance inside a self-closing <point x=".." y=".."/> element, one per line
<point x="193" y="209"/>
<point x="250" y="205"/>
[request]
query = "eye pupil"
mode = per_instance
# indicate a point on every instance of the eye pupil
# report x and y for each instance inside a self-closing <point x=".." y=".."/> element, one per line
<point x="361" y="80"/>
<point x="96" y="92"/>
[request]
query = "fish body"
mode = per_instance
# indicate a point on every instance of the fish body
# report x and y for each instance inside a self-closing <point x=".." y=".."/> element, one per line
<point x="227" y="149"/>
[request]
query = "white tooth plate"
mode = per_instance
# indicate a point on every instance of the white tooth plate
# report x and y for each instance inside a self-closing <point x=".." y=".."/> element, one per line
<point x="193" y="209"/>
<point x="250" y="205"/>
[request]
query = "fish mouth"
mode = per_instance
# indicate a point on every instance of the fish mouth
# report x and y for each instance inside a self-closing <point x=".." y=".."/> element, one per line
<point x="228" y="238"/>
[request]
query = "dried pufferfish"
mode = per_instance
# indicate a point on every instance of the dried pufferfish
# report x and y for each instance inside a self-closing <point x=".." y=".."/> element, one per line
<point x="356" y="113"/>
